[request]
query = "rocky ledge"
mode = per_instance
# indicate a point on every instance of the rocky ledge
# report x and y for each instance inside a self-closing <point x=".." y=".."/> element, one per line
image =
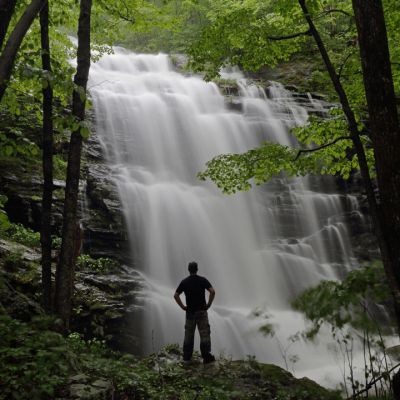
<point x="104" y="302"/>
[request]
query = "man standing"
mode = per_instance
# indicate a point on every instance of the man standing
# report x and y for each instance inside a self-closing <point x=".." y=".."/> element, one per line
<point x="194" y="287"/>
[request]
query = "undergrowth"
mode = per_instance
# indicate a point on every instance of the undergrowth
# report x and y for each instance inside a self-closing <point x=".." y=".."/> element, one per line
<point x="38" y="363"/>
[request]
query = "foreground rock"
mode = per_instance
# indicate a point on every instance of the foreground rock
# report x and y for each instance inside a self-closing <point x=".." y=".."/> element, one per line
<point x="106" y="307"/>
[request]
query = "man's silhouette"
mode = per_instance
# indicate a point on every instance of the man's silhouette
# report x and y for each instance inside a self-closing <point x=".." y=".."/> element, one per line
<point x="194" y="287"/>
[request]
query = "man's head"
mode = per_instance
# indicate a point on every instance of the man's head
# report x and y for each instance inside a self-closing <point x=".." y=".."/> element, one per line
<point x="192" y="267"/>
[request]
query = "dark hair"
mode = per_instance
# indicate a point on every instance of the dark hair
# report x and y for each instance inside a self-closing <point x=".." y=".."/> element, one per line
<point x="192" y="267"/>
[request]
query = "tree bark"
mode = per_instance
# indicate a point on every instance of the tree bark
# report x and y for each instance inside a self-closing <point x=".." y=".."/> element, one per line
<point x="7" y="8"/>
<point x="65" y="268"/>
<point x="379" y="222"/>
<point x="383" y="118"/>
<point x="10" y="50"/>
<point x="47" y="159"/>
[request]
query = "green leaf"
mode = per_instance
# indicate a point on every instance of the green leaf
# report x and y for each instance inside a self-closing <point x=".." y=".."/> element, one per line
<point x="85" y="132"/>
<point x="8" y="150"/>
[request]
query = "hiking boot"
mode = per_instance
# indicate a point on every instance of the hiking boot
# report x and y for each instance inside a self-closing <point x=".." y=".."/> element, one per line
<point x="209" y="359"/>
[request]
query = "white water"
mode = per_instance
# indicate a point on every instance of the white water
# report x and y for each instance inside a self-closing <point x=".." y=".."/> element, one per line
<point x="259" y="249"/>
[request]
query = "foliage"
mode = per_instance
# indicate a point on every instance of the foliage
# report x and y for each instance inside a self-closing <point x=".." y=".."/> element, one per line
<point x="98" y="265"/>
<point x="14" y="144"/>
<point x="34" y="362"/>
<point x="244" y="34"/>
<point x="24" y="235"/>
<point x="38" y="362"/>
<point x="4" y="221"/>
<point x="345" y="302"/>
<point x="350" y="308"/>
<point x="238" y="34"/>
<point x="166" y="26"/>
<point x="234" y="172"/>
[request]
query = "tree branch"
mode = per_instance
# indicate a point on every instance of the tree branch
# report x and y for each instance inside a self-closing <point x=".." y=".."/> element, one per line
<point x="344" y="63"/>
<point x="372" y="383"/>
<point x="335" y="10"/>
<point x="292" y="36"/>
<point x="323" y="146"/>
<point x="124" y="16"/>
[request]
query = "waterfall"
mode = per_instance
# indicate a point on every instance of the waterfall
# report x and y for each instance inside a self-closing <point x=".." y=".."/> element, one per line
<point x="258" y="249"/>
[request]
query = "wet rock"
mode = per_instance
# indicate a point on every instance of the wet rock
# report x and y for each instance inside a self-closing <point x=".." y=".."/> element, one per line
<point x="97" y="390"/>
<point x="23" y="189"/>
<point x="234" y="104"/>
<point x="105" y="233"/>
<point x="19" y="280"/>
<point x="93" y="149"/>
<point x="79" y="378"/>
<point x="179" y="61"/>
<point x="106" y="307"/>
<point x="24" y="252"/>
<point x="228" y="88"/>
<point x="114" y="284"/>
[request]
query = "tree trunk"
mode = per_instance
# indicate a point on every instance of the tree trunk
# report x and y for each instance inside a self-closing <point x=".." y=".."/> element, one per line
<point x="47" y="158"/>
<point x="384" y="127"/>
<point x="65" y="268"/>
<point x="379" y="222"/>
<point x="10" y="50"/>
<point x="6" y="11"/>
<point x="383" y="118"/>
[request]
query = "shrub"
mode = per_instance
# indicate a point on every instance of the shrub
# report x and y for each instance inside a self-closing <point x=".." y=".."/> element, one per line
<point x="23" y="235"/>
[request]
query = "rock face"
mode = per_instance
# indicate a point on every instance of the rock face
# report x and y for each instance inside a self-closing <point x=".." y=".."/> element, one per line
<point x="102" y="218"/>
<point x="19" y="280"/>
<point x="105" y="304"/>
<point x="106" y="307"/>
<point x="23" y="188"/>
<point x="81" y="387"/>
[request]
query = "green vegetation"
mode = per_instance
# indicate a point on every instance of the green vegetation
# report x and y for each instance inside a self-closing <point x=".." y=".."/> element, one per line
<point x="236" y="172"/>
<point x="4" y="222"/>
<point x="23" y="235"/>
<point x="346" y="302"/>
<point x="351" y="308"/>
<point x="99" y="265"/>
<point x="38" y="363"/>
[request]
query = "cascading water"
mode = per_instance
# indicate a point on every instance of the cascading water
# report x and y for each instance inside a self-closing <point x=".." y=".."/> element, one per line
<point x="259" y="249"/>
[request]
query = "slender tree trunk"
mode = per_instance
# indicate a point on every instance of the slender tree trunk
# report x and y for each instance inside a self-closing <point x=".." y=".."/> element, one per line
<point x="65" y="268"/>
<point x="6" y="11"/>
<point x="378" y="222"/>
<point x="10" y="50"/>
<point x="47" y="157"/>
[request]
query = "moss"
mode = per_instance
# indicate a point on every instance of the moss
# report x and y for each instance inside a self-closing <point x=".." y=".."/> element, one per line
<point x="274" y="373"/>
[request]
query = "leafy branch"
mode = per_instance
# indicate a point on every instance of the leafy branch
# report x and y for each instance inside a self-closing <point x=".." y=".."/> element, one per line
<point x="292" y="36"/>
<point x="301" y="151"/>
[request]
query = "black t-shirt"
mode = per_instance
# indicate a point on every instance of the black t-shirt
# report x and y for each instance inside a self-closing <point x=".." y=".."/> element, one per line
<point x="194" y="287"/>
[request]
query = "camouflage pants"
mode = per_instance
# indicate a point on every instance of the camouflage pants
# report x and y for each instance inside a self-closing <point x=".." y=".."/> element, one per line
<point x="199" y="319"/>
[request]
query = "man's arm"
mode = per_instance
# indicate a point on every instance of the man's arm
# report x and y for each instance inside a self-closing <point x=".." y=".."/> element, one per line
<point x="211" y="290"/>
<point x="179" y="301"/>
